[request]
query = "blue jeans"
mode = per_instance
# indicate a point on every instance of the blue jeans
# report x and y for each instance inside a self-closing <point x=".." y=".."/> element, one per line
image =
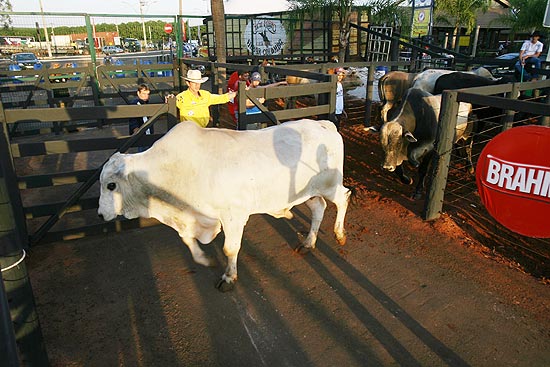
<point x="530" y="63"/>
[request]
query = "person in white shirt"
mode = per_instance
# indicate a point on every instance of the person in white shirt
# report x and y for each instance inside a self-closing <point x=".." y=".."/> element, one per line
<point x="529" y="57"/>
<point x="339" y="112"/>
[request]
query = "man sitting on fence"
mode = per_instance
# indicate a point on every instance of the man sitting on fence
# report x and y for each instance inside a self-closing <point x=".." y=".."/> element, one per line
<point x="529" y="58"/>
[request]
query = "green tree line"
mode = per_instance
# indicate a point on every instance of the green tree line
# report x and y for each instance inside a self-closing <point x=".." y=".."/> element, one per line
<point x="154" y="30"/>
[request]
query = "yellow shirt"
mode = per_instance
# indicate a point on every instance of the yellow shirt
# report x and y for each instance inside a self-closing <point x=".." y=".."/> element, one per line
<point x="195" y="109"/>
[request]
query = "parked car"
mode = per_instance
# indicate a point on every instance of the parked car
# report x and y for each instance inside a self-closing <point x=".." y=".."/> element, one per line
<point x="26" y="60"/>
<point x="131" y="44"/>
<point x="505" y="66"/>
<point x="111" y="50"/>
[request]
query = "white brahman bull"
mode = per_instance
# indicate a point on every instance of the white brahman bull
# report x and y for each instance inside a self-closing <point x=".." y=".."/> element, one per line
<point x="426" y="80"/>
<point x="199" y="181"/>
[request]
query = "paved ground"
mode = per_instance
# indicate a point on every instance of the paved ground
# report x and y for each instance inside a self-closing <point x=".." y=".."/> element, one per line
<point x="401" y="292"/>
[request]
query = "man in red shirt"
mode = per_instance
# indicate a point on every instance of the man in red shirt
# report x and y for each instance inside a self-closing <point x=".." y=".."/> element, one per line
<point x="233" y="86"/>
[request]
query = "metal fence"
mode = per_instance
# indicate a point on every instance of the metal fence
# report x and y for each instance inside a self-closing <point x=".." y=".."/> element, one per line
<point x="454" y="189"/>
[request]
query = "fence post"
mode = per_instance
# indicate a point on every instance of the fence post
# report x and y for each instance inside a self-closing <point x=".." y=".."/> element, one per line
<point x="330" y="97"/>
<point x="444" y="144"/>
<point x="508" y="118"/>
<point x="369" y="94"/>
<point x="91" y="40"/>
<point x="241" y="99"/>
<point x="172" y="118"/>
<point x="545" y="120"/>
<point x="8" y="345"/>
<point x="17" y="204"/>
<point x="394" y="52"/>
<point x="14" y="271"/>
<point x="215" y="72"/>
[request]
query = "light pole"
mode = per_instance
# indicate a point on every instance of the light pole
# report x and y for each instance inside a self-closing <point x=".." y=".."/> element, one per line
<point x="141" y="4"/>
<point x="53" y="40"/>
<point x="48" y="47"/>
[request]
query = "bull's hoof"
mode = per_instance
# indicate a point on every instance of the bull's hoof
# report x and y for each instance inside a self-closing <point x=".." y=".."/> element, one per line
<point x="341" y="239"/>
<point x="302" y="250"/>
<point x="223" y="286"/>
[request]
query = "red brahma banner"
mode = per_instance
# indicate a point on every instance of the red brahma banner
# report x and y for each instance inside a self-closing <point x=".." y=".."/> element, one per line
<point x="513" y="179"/>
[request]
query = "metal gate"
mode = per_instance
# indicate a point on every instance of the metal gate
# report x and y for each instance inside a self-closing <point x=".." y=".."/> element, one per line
<point x="378" y="48"/>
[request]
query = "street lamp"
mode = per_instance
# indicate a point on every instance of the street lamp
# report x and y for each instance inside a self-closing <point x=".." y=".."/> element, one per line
<point x="48" y="47"/>
<point x="53" y="40"/>
<point x="141" y="5"/>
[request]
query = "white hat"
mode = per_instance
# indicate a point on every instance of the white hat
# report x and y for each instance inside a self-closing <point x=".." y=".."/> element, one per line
<point x="195" y="76"/>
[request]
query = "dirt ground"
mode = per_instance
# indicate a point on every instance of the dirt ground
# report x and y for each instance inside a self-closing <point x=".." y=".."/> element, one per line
<point x="402" y="291"/>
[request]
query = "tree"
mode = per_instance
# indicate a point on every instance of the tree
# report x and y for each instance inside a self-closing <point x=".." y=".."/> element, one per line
<point x="5" y="20"/>
<point x="524" y="15"/>
<point x="390" y="13"/>
<point x="218" y="20"/>
<point x="459" y="13"/>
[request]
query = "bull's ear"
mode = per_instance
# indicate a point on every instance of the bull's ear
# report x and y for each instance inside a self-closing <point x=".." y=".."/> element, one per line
<point x="410" y="137"/>
<point x="118" y="165"/>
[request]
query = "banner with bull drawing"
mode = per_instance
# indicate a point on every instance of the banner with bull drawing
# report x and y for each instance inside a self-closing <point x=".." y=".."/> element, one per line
<point x="422" y="18"/>
<point x="513" y="180"/>
<point x="265" y="36"/>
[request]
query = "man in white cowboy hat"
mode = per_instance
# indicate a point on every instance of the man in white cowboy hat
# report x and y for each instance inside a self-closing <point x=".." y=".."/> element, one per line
<point x="194" y="103"/>
<point x="529" y="55"/>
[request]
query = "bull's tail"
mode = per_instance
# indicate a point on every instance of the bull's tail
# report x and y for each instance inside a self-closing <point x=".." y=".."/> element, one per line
<point x="352" y="194"/>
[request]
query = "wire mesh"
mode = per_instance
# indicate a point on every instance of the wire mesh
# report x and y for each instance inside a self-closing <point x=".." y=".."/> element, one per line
<point x="463" y="202"/>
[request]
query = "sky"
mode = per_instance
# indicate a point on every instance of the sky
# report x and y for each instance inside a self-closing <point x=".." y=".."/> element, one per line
<point x="152" y="7"/>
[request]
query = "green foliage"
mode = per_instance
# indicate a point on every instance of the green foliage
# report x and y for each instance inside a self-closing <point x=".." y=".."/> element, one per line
<point x="129" y="30"/>
<point x="525" y="15"/>
<point x="459" y="13"/>
<point x="5" y="20"/>
<point x="389" y="12"/>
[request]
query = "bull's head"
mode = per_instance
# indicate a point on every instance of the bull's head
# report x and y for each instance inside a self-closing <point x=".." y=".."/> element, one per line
<point x="115" y="190"/>
<point x="394" y="139"/>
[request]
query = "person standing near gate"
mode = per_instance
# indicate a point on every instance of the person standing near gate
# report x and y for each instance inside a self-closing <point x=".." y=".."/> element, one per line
<point x="529" y="56"/>
<point x="339" y="112"/>
<point x="135" y="123"/>
<point x="194" y="103"/>
<point x="233" y="85"/>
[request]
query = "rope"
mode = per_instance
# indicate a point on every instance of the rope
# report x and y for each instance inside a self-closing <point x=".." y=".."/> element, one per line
<point x="16" y="263"/>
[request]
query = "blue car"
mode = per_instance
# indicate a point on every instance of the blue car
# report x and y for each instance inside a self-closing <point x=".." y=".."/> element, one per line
<point x="26" y="60"/>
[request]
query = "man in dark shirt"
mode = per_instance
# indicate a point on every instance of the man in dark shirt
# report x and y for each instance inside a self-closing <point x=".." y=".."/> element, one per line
<point x="135" y="123"/>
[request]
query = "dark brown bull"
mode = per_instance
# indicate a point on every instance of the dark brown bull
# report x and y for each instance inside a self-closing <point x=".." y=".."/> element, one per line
<point x="411" y="135"/>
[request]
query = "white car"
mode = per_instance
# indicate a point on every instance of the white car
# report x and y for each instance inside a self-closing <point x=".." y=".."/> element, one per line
<point x="111" y="50"/>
